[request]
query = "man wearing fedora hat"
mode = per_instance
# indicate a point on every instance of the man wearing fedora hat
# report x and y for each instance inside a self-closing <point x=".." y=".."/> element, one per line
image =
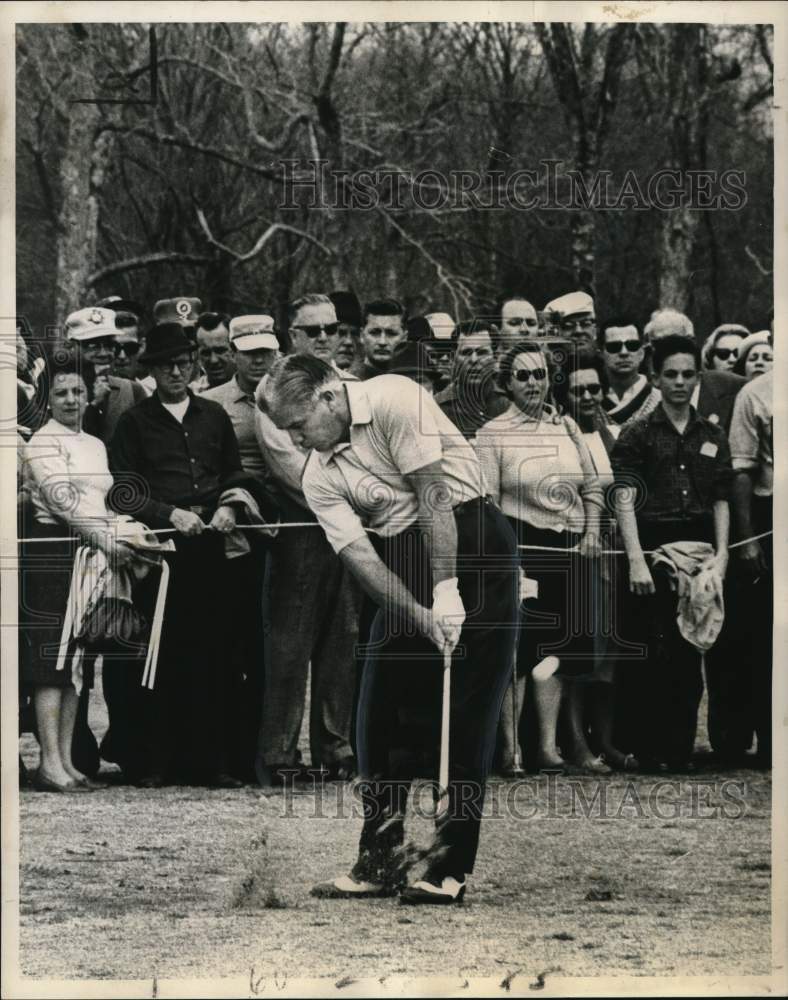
<point x="93" y="332"/>
<point x="172" y="456"/>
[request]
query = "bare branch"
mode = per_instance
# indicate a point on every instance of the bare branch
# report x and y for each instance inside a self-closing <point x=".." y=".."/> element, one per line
<point x="274" y="228"/>
<point x="146" y="260"/>
<point x="757" y="261"/>
<point x="456" y="287"/>
<point x="188" y="143"/>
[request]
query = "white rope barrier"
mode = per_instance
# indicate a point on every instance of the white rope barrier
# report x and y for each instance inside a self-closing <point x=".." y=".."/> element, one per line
<point x="315" y="524"/>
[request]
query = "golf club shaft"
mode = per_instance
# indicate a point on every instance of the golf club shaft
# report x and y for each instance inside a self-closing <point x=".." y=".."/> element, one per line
<point x="443" y="772"/>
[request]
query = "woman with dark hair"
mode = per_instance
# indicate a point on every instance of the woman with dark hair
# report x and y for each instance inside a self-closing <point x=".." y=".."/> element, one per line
<point x="67" y="480"/>
<point x="539" y="471"/>
<point x="579" y="390"/>
<point x="755" y="355"/>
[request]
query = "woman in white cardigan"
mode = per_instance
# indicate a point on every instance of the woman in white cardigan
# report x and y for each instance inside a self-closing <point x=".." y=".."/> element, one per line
<point x="539" y="471"/>
<point x="67" y="479"/>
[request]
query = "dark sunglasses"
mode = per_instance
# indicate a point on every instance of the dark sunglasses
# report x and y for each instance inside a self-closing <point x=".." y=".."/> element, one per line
<point x="723" y="353"/>
<point x="617" y="346"/>
<point x="314" y="331"/>
<point x="526" y="374"/>
<point x="129" y="347"/>
<point x="579" y="390"/>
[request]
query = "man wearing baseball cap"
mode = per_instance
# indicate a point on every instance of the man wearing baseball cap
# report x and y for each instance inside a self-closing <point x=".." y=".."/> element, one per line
<point x="254" y="347"/>
<point x="183" y="310"/>
<point x="440" y="348"/>
<point x="93" y="333"/>
<point x="575" y="316"/>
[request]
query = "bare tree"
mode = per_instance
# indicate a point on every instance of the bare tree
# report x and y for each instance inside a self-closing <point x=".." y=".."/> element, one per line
<point x="586" y="64"/>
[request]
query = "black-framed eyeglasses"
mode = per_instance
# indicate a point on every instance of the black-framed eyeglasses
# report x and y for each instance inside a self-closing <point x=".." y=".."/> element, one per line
<point x="526" y="374"/>
<point x="578" y="391"/>
<point x="616" y="346"/>
<point x="314" y="330"/>
<point x="724" y="353"/>
<point x="182" y="364"/>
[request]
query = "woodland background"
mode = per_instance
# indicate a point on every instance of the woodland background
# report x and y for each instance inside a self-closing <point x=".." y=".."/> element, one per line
<point x="173" y="185"/>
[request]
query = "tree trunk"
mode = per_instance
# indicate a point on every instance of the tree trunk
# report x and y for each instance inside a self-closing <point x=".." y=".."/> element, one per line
<point x="78" y="220"/>
<point x="687" y="100"/>
<point x="678" y="238"/>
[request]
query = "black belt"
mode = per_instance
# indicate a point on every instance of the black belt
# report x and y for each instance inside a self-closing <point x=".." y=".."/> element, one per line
<point x="473" y="504"/>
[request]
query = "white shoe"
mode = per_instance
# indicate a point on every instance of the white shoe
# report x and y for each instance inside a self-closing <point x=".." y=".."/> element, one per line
<point x="346" y="887"/>
<point x="449" y="891"/>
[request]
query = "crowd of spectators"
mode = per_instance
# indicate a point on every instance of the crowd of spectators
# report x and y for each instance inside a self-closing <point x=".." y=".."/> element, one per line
<point x="635" y="464"/>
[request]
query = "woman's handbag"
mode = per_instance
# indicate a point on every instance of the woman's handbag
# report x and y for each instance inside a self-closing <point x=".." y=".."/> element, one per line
<point x="112" y="624"/>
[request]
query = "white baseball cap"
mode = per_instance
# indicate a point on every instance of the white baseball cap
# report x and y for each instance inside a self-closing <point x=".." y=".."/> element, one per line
<point x="442" y="325"/>
<point x="571" y="304"/>
<point x="252" y="333"/>
<point x="90" y="323"/>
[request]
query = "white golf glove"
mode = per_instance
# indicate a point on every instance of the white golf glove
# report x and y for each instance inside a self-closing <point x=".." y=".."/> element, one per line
<point x="448" y="609"/>
<point x="528" y="588"/>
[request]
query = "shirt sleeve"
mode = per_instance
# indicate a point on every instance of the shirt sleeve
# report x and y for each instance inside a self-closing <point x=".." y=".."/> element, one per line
<point x="231" y="453"/>
<point x="131" y="493"/>
<point x="410" y="427"/>
<point x="723" y="474"/>
<point x="744" y="433"/>
<point x="485" y="446"/>
<point x="590" y="488"/>
<point x="46" y="466"/>
<point x="628" y="458"/>
<point x="332" y="509"/>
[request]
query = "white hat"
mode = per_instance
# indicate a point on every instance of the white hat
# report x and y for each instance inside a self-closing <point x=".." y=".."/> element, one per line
<point x="571" y="304"/>
<point x="87" y="324"/>
<point x="442" y="325"/>
<point x="251" y="333"/>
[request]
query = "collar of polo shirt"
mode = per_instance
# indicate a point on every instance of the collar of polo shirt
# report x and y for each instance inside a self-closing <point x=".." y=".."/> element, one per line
<point x="360" y="413"/>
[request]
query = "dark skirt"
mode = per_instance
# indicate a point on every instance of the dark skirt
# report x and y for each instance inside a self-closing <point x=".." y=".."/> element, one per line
<point x="44" y="582"/>
<point x="561" y="621"/>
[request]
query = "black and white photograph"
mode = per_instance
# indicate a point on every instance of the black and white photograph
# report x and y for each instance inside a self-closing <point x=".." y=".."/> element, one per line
<point x="390" y="594"/>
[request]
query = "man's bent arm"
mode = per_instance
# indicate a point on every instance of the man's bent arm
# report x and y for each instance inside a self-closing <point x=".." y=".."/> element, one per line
<point x="741" y="494"/>
<point x="383" y="586"/>
<point x="722" y="525"/>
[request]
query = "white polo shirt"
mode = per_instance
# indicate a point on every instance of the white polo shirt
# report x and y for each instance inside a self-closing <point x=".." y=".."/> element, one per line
<point x="396" y="428"/>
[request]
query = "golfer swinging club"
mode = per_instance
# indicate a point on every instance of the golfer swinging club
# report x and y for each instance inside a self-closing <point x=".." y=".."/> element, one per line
<point x="440" y="562"/>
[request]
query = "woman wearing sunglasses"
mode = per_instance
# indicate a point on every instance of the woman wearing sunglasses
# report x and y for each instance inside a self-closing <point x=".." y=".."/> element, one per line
<point x="721" y="349"/>
<point x="579" y="392"/>
<point x="539" y="471"/>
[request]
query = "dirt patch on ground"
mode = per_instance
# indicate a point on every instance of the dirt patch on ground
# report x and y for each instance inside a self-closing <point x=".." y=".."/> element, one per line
<point x="187" y="882"/>
<point x="575" y="876"/>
